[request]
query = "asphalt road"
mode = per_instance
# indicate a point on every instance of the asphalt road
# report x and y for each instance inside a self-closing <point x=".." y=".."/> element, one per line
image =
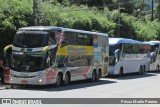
<point x="128" y="86"/>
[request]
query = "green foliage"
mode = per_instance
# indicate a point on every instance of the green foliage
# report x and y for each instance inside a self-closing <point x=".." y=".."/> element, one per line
<point x="18" y="13"/>
<point x="77" y="17"/>
<point x="158" y="11"/>
<point x="13" y="14"/>
<point x="138" y="29"/>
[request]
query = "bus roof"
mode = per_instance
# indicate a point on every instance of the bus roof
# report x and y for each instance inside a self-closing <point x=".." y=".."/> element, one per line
<point x="153" y="42"/>
<point x="60" y="28"/>
<point x="114" y="41"/>
<point x="39" y="28"/>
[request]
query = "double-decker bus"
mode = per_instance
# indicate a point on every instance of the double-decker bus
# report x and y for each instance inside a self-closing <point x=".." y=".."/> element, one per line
<point x="128" y="56"/>
<point x="55" y="55"/>
<point x="154" y="55"/>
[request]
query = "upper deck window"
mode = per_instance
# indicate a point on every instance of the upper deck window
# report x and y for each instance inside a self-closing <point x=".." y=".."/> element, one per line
<point x="31" y="39"/>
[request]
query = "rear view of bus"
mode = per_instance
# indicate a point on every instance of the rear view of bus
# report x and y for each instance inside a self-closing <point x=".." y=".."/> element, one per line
<point x="55" y="55"/>
<point x="128" y="56"/>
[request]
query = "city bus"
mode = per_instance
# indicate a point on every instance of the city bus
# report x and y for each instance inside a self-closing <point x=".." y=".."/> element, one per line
<point x="42" y="55"/>
<point x="154" y="55"/>
<point x="128" y="56"/>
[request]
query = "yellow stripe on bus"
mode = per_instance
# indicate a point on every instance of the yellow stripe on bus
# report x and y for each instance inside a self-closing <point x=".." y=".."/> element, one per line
<point x="45" y="49"/>
<point x="72" y="50"/>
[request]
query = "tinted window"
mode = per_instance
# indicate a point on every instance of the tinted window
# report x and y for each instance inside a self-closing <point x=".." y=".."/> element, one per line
<point x="30" y="62"/>
<point x="52" y="39"/>
<point x="31" y="39"/>
<point x="70" y="38"/>
<point x="84" y="39"/>
<point x="136" y="48"/>
<point x="74" y="38"/>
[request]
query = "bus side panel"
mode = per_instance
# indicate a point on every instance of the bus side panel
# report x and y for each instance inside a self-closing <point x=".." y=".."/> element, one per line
<point x="78" y="60"/>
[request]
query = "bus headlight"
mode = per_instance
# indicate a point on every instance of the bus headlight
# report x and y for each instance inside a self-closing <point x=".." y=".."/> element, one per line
<point x="40" y="80"/>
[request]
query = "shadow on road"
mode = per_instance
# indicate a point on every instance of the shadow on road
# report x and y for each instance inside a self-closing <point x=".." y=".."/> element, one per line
<point x="155" y="72"/>
<point x="72" y="86"/>
<point x="132" y="76"/>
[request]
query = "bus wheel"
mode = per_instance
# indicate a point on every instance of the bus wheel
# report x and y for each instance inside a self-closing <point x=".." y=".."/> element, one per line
<point x="157" y="69"/>
<point x="140" y="70"/>
<point x="99" y="75"/>
<point x="120" y="72"/>
<point x="14" y="86"/>
<point x="66" y="79"/>
<point x="58" y="80"/>
<point x="94" y="76"/>
<point x="144" y="69"/>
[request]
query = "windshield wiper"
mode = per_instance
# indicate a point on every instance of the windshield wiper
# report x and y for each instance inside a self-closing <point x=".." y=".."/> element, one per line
<point x="19" y="44"/>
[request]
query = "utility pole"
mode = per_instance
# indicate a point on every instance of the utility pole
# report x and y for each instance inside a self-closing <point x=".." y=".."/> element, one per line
<point x="152" y="11"/>
<point x="35" y="12"/>
<point x="119" y="23"/>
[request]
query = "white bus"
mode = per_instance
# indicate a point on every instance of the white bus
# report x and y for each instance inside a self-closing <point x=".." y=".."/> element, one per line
<point x="128" y="56"/>
<point x="55" y="55"/>
<point x="154" y="55"/>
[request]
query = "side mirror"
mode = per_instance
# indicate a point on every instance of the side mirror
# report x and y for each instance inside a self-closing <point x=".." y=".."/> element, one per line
<point x="116" y="54"/>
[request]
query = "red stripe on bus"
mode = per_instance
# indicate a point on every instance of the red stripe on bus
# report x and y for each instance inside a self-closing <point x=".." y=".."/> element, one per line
<point x="85" y="72"/>
<point x="50" y="74"/>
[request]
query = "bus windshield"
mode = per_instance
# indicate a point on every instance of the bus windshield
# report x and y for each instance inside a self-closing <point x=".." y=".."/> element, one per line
<point x="112" y="49"/>
<point x="31" y="62"/>
<point x="114" y="53"/>
<point x="154" y="48"/>
<point x="31" y="39"/>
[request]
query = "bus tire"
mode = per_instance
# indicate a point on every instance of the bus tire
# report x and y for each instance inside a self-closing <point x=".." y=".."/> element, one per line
<point x="140" y="70"/>
<point x="99" y="74"/>
<point x="157" y="69"/>
<point x="14" y="86"/>
<point x="59" y="80"/>
<point x="120" y="72"/>
<point x="66" y="80"/>
<point x="144" y="69"/>
<point x="94" y="76"/>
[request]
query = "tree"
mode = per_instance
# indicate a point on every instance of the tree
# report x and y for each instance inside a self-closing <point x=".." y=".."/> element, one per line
<point x="127" y="6"/>
<point x="13" y="15"/>
<point x="97" y="3"/>
<point x="60" y="1"/>
<point x="158" y="11"/>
